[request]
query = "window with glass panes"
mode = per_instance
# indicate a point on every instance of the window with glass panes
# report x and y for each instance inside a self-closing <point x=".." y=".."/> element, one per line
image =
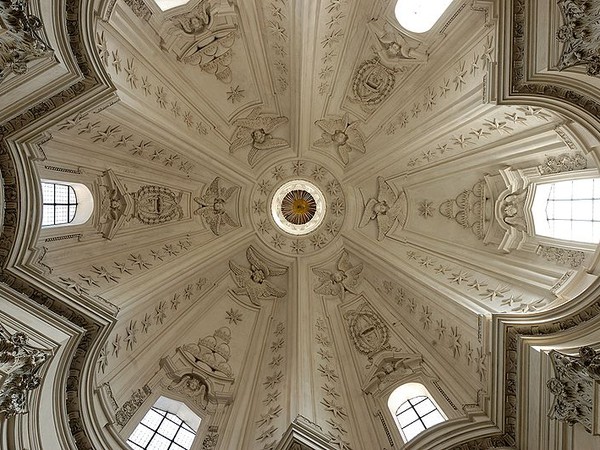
<point x="417" y="414"/>
<point x="59" y="204"/>
<point x="161" y="430"/>
<point x="573" y="210"/>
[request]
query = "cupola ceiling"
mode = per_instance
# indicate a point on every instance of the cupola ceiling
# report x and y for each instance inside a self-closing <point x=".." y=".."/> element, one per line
<point x="299" y="205"/>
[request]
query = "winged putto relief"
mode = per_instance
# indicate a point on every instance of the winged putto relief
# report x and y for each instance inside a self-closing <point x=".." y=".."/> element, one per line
<point x="211" y="206"/>
<point x="255" y="131"/>
<point x="204" y="36"/>
<point x="344" y="279"/>
<point x="253" y="281"/>
<point x="386" y="209"/>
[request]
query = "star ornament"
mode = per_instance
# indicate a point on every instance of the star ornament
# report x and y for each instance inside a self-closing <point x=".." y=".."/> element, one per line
<point x="426" y="209"/>
<point x="255" y="132"/>
<point x="386" y="209"/>
<point x="341" y="134"/>
<point x="253" y="281"/>
<point x="337" y="283"/>
<point x="211" y="206"/>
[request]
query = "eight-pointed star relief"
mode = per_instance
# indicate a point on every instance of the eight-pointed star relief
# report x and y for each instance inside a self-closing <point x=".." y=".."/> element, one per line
<point x="255" y="131"/>
<point x="253" y="281"/>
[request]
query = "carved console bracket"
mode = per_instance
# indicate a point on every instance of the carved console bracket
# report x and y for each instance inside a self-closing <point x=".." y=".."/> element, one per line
<point x="575" y="388"/>
<point x="302" y="434"/>
<point x="19" y="367"/>
<point x="20" y="42"/>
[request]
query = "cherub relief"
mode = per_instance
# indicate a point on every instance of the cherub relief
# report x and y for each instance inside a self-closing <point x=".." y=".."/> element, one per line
<point x="386" y="209"/>
<point x="336" y="283"/>
<point x="211" y="206"/>
<point x="255" y="131"/>
<point x="253" y="281"/>
<point x="395" y="47"/>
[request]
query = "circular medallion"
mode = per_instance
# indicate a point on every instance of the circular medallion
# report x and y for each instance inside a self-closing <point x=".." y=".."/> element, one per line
<point x="298" y="207"/>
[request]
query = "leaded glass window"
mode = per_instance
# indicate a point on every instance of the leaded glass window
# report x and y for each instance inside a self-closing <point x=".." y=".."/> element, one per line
<point x="59" y="204"/>
<point x="161" y="430"/>
<point x="417" y="414"/>
<point x="573" y="210"/>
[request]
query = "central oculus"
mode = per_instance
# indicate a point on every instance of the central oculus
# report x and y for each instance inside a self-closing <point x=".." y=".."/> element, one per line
<point x="298" y="207"/>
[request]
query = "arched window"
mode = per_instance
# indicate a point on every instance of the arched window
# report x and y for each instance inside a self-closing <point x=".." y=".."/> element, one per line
<point x="414" y="410"/>
<point x="65" y="203"/>
<point x="419" y="16"/>
<point x="168" y="425"/>
<point x="60" y="204"/>
<point x="568" y="210"/>
<point x="165" y="5"/>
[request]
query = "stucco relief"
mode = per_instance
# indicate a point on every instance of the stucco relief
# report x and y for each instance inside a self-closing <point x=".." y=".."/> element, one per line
<point x="204" y="37"/>
<point x="256" y="132"/>
<point x="573" y="386"/>
<point x="21" y="41"/>
<point x="253" y="281"/>
<point x="212" y="206"/>
<point x="387" y="209"/>
<point x="20" y="364"/>
<point x="344" y="278"/>
<point x="580" y="35"/>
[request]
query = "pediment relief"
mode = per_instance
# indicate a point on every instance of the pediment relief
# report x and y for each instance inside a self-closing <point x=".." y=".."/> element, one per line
<point x="390" y="368"/>
<point x="150" y="204"/>
<point x="115" y="205"/>
<point x="203" y="36"/>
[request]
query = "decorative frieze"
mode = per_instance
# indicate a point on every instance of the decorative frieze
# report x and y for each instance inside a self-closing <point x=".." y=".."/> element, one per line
<point x="564" y="163"/>
<point x="129" y="408"/>
<point x="562" y="256"/>
<point x="19" y="367"/>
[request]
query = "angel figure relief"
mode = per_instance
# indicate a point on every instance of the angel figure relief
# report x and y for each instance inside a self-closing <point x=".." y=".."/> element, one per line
<point x="196" y="22"/>
<point x="386" y="209"/>
<point x="253" y="281"/>
<point x="211" y="206"/>
<point x="255" y="131"/>
<point x="395" y="47"/>
<point x="336" y="283"/>
<point x="205" y="37"/>
<point x="342" y="134"/>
